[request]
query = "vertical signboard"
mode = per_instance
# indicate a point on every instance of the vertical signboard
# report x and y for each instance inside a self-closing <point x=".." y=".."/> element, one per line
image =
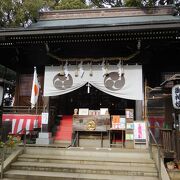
<point x="45" y="117"/>
<point x="140" y="132"/>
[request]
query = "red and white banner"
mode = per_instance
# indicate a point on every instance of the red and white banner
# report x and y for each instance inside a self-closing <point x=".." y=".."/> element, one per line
<point x="35" y="89"/>
<point x="21" y="121"/>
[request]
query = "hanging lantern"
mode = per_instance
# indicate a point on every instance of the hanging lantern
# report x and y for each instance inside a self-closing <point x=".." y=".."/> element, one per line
<point x="176" y="96"/>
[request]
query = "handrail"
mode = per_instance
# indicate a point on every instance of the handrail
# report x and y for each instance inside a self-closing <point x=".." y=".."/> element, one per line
<point x="150" y="148"/>
<point x="3" y="149"/>
<point x="74" y="140"/>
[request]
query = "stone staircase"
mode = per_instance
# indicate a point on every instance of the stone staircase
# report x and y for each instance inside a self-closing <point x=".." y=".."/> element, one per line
<point x="64" y="130"/>
<point x="79" y="163"/>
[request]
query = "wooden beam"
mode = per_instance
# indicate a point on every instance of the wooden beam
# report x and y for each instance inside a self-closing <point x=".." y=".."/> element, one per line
<point x="94" y="59"/>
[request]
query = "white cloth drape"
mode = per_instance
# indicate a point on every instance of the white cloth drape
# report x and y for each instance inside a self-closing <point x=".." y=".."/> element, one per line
<point x="128" y="87"/>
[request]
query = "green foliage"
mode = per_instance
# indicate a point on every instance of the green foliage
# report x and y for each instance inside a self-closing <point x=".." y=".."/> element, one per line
<point x="18" y="12"/>
<point x="1" y="144"/>
<point x="133" y="3"/>
<point x="140" y="3"/>
<point x="130" y="3"/>
<point x="15" y="13"/>
<point x="106" y="3"/>
<point x="163" y="2"/>
<point x="11" y="142"/>
<point x="71" y="4"/>
<point x="149" y="3"/>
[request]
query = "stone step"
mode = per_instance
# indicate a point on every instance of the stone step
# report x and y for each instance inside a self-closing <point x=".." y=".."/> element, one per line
<point x="100" y="149"/>
<point x="62" y="141"/>
<point x="61" y="144"/>
<point x="48" y="163"/>
<point x="85" y="160"/>
<point x="9" y="179"/>
<point x="107" y="153"/>
<point x="38" y="175"/>
<point x="84" y="168"/>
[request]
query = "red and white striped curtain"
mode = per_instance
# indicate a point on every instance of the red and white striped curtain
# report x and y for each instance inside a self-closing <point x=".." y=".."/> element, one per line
<point x="21" y="121"/>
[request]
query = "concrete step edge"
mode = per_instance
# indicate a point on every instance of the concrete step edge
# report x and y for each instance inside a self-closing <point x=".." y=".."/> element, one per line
<point x="130" y="164"/>
<point x="15" y="173"/>
<point x="92" y="154"/>
<point x="86" y="161"/>
<point x="86" y="158"/>
<point x="83" y="166"/>
<point x="93" y="149"/>
<point x="87" y="153"/>
<point x="65" y="142"/>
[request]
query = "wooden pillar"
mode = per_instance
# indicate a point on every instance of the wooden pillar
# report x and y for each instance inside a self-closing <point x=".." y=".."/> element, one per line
<point x="45" y="104"/>
<point x="45" y="127"/>
<point x="17" y="90"/>
<point x="1" y="101"/>
<point x="139" y="109"/>
<point x="177" y="126"/>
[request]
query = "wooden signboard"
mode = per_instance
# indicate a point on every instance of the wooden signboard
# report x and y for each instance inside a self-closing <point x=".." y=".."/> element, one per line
<point x="129" y="114"/>
<point x="91" y="123"/>
<point x="129" y="135"/>
<point x="83" y="111"/>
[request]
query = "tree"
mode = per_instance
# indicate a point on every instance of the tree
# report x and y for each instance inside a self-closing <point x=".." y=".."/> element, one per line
<point x="71" y="4"/>
<point x="166" y="2"/>
<point x="106" y="3"/>
<point x="21" y="12"/>
<point x="15" y="13"/>
<point x="129" y="3"/>
<point x="134" y="3"/>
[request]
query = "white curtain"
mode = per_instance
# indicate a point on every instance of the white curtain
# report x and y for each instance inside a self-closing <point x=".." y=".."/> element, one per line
<point x="128" y="86"/>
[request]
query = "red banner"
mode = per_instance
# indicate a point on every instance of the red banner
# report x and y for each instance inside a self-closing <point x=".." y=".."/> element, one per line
<point x="21" y="121"/>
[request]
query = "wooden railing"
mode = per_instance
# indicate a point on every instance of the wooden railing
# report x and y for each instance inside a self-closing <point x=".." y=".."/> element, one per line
<point x="153" y="140"/>
<point x="22" y="110"/>
<point x="166" y="140"/>
<point x="26" y="110"/>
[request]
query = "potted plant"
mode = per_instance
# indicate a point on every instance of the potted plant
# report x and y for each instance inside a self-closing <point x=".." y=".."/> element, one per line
<point x="170" y="165"/>
<point x="178" y="164"/>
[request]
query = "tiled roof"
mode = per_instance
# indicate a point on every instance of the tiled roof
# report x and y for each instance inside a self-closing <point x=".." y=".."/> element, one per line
<point x="105" y="22"/>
